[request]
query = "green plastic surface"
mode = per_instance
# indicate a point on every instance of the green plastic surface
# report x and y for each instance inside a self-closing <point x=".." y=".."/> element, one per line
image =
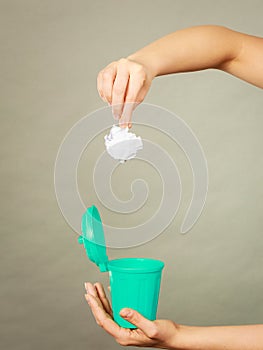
<point x="135" y="283"/>
<point x="93" y="238"/>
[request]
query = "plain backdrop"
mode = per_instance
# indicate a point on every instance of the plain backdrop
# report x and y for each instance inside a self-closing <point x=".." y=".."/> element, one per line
<point x="51" y="52"/>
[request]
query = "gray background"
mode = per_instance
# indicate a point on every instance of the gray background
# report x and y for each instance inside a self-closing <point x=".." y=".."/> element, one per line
<point x="51" y="52"/>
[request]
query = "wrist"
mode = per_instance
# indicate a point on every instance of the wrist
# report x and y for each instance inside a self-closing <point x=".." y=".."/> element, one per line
<point x="185" y="338"/>
<point x="174" y="336"/>
<point x="146" y="62"/>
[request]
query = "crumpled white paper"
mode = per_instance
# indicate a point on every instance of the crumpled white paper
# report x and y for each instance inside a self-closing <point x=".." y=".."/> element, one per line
<point x="122" y="144"/>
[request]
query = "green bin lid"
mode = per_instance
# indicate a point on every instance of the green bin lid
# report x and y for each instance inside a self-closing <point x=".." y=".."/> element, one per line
<point x="93" y="238"/>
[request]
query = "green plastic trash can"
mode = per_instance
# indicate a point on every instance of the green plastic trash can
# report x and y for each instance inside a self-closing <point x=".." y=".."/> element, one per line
<point x="135" y="282"/>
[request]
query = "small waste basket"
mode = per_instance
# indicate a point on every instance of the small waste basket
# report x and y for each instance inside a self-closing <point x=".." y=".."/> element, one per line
<point x="134" y="282"/>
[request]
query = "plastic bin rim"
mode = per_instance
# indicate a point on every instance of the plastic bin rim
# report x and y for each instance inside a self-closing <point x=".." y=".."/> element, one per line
<point x="157" y="265"/>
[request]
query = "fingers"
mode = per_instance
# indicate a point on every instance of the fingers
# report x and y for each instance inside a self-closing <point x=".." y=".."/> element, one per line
<point x="96" y="299"/>
<point x="134" y="93"/>
<point x="136" y="83"/>
<point x="101" y="317"/>
<point x="124" y="84"/>
<point x="119" y="89"/>
<point x="97" y="292"/>
<point x="100" y="86"/>
<point x="105" y="82"/>
<point x="148" y="327"/>
<point x="91" y="289"/>
<point x="125" y="120"/>
<point x="103" y="298"/>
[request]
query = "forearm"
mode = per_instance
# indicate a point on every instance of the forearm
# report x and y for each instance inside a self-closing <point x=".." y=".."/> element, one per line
<point x="248" y="337"/>
<point x="190" y="49"/>
<point x="204" y="47"/>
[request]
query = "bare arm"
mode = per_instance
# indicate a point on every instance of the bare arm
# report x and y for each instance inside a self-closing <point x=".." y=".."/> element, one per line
<point x="186" y="50"/>
<point x="167" y="334"/>
<point x="204" y="47"/>
<point x="248" y="337"/>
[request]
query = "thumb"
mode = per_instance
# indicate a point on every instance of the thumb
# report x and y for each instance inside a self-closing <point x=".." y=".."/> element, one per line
<point x="148" y="327"/>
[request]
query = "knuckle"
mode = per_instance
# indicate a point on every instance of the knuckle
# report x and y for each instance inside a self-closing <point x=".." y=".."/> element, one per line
<point x="134" y="96"/>
<point x="99" y="323"/>
<point x="139" y="99"/>
<point x="153" y="333"/>
<point x="135" y="319"/>
<point x="123" y="61"/>
<point x="134" y="99"/>
<point x="141" y="81"/>
<point x="119" y="90"/>
<point x="106" y="74"/>
<point x="110" y="66"/>
<point x="108" y="97"/>
<point x="138" y="69"/>
<point x="131" y="99"/>
<point x="102" y="324"/>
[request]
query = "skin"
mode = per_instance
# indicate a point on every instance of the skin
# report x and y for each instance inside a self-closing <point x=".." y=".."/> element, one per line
<point x="166" y="334"/>
<point x="123" y="84"/>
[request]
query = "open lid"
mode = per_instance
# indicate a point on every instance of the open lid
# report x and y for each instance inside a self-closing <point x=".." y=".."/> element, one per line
<point x="93" y="238"/>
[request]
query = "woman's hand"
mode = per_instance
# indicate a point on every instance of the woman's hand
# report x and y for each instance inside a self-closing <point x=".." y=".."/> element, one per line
<point x="167" y="334"/>
<point x="159" y="333"/>
<point x="124" y="84"/>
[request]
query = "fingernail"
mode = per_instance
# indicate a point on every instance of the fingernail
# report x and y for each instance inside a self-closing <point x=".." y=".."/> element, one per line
<point x="86" y="286"/>
<point x="126" y="313"/>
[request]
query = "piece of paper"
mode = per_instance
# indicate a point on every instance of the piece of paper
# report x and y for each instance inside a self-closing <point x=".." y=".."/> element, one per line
<point x="122" y="144"/>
